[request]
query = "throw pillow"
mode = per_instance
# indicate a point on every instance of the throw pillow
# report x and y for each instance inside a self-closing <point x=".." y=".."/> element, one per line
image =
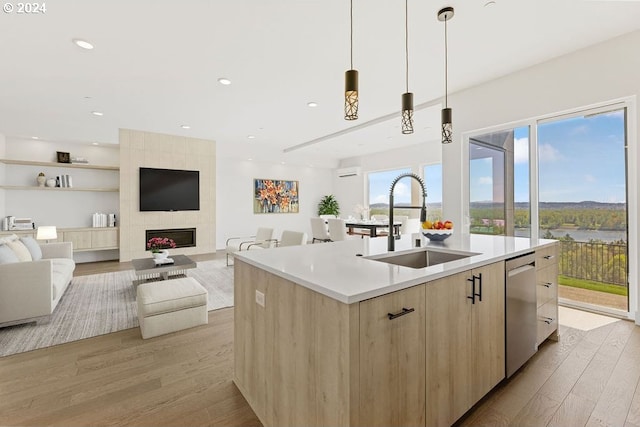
<point x="7" y="255"/>
<point x="20" y="250"/>
<point x="33" y="246"/>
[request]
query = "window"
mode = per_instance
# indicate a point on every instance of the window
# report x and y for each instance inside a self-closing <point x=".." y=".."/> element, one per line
<point x="379" y="186"/>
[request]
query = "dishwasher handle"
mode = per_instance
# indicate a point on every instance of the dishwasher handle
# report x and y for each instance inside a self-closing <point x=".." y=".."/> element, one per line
<point x="520" y="269"/>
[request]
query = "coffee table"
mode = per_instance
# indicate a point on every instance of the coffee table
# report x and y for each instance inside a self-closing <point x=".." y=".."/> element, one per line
<point x="147" y="271"/>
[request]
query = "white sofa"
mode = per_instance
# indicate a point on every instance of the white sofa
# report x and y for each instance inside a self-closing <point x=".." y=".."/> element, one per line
<point x="31" y="290"/>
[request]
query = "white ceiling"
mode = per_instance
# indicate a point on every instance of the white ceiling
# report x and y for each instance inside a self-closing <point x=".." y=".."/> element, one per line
<point x="156" y="63"/>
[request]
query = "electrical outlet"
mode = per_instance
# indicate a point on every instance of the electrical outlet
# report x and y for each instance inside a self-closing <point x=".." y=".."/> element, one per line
<point x="259" y="298"/>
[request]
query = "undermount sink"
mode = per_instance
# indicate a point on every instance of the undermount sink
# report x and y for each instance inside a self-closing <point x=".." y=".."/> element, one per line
<point x="422" y="258"/>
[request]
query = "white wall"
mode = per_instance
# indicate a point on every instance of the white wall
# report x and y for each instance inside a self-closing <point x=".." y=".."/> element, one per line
<point x="234" y="189"/>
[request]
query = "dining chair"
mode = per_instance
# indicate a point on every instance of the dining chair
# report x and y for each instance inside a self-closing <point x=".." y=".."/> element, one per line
<point x="319" y="230"/>
<point x="337" y="229"/>
<point x="292" y="238"/>
<point x="262" y="238"/>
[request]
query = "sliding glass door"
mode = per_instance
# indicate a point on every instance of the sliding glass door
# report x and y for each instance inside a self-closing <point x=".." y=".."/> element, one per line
<point x="567" y="177"/>
<point x="582" y="181"/>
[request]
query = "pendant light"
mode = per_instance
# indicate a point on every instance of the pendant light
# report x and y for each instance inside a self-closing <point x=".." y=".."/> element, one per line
<point x="446" y="14"/>
<point x="407" y="97"/>
<point x="351" y="82"/>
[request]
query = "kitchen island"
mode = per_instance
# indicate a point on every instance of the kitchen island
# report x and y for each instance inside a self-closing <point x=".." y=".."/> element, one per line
<point x="335" y="334"/>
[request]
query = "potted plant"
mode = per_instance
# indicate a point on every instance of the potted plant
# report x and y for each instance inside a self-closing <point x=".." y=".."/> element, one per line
<point x="328" y="206"/>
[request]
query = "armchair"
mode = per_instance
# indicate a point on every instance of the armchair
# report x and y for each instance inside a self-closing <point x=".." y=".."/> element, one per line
<point x="262" y="238"/>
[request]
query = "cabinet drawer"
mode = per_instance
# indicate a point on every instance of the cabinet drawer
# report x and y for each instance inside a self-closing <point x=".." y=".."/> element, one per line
<point x="547" y="289"/>
<point x="547" y="256"/>
<point x="547" y="320"/>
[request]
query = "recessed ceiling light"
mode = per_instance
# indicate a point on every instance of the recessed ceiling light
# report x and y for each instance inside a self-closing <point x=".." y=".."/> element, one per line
<point x="251" y="136"/>
<point x="97" y="113"/>
<point x="83" y="44"/>
<point x="224" y="81"/>
<point x="185" y="127"/>
<point x="312" y="104"/>
<point x="249" y="159"/>
<point x="282" y="163"/>
<point x="35" y="137"/>
<point x="94" y="143"/>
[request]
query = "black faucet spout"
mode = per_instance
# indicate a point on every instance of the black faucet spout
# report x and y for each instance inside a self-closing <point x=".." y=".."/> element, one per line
<point x="391" y="246"/>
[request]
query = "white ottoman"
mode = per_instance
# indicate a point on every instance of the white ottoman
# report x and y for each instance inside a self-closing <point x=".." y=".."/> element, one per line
<point x="171" y="305"/>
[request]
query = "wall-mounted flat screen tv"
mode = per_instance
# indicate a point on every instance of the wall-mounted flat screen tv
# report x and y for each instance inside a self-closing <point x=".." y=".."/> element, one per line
<point x="169" y="190"/>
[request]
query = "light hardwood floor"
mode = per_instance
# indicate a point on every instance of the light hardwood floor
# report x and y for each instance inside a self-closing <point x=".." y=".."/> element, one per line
<point x="589" y="378"/>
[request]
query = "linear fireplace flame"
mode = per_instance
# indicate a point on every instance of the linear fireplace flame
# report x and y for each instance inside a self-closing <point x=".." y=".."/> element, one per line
<point x="184" y="237"/>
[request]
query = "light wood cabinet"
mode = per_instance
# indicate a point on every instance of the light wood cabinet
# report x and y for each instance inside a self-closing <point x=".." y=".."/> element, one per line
<point x="302" y="358"/>
<point x="83" y="239"/>
<point x="547" y="293"/>
<point x="392" y="359"/>
<point x="104" y="238"/>
<point x="465" y="341"/>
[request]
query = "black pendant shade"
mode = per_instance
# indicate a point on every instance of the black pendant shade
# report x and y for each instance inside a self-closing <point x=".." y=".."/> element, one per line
<point x="351" y="95"/>
<point x="407" y="113"/>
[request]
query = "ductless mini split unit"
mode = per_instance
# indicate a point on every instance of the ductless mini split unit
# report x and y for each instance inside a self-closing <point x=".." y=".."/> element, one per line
<point x="346" y="172"/>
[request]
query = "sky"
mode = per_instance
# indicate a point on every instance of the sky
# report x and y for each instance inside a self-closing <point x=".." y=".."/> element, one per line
<point x="580" y="159"/>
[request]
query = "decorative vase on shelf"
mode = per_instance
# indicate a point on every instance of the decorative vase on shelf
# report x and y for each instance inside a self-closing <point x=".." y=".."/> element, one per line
<point x="51" y="182"/>
<point x="41" y="179"/>
<point x="162" y="254"/>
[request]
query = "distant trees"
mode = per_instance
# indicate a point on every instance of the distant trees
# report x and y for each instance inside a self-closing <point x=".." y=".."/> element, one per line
<point x="581" y="219"/>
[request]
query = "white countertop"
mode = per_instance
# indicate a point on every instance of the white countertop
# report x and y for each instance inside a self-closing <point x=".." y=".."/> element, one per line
<point x="334" y="269"/>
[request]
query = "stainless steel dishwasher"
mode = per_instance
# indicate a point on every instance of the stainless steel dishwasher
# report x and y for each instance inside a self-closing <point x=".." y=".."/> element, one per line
<point x="521" y="311"/>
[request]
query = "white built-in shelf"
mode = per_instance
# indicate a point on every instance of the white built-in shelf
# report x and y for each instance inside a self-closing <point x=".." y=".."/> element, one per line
<point x="35" y="187"/>
<point x="58" y="165"/>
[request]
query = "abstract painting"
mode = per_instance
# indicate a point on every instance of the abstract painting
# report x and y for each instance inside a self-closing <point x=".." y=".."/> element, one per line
<point x="275" y="196"/>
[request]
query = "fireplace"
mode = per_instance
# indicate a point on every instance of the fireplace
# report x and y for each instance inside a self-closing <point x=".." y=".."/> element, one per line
<point x="184" y="237"/>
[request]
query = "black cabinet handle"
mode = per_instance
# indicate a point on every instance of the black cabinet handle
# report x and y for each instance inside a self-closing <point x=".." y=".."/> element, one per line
<point x="547" y="320"/>
<point x="479" y="295"/>
<point x="547" y="285"/>
<point x="549" y="256"/>
<point x="400" y="313"/>
<point x="473" y="289"/>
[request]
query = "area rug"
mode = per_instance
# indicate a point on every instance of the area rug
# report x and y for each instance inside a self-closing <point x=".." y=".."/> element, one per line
<point x="104" y="303"/>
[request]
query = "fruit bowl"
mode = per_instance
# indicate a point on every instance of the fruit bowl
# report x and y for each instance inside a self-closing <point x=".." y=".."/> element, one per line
<point x="437" y="235"/>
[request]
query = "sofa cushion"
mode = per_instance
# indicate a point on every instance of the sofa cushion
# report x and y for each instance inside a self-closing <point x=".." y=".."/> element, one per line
<point x="33" y="246"/>
<point x="62" y="272"/>
<point x="21" y="250"/>
<point x="7" y="255"/>
<point x="9" y="238"/>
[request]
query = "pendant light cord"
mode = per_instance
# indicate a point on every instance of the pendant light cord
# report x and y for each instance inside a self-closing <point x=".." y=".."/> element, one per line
<point x="351" y="19"/>
<point x="406" y="41"/>
<point x="446" y="65"/>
